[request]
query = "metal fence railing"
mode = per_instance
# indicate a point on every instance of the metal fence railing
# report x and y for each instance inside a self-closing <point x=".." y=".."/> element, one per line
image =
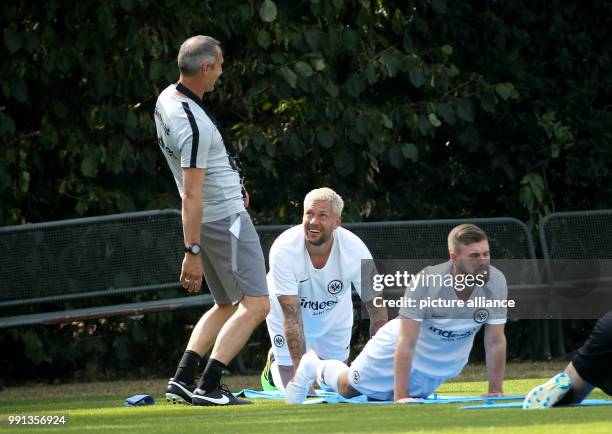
<point x="90" y="257"/>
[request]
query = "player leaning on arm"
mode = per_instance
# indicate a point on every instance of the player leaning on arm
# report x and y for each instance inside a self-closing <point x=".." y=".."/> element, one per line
<point x="412" y="355"/>
<point x="313" y="267"/>
<point x="220" y="238"/>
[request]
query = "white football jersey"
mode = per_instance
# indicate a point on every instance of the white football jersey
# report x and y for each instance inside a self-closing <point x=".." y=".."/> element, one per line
<point x="324" y="294"/>
<point x="447" y="334"/>
<point x="444" y="342"/>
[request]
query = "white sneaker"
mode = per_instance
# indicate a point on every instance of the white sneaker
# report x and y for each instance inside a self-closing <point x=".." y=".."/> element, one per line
<point x="306" y="373"/>
<point x="549" y="393"/>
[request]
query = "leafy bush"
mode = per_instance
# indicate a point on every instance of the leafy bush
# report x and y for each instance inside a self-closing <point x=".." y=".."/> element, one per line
<point x="351" y="93"/>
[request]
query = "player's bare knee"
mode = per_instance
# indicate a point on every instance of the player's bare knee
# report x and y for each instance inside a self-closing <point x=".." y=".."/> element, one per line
<point x="263" y="307"/>
<point x="346" y="391"/>
<point x="344" y="387"/>
<point x="225" y="308"/>
<point x="258" y="307"/>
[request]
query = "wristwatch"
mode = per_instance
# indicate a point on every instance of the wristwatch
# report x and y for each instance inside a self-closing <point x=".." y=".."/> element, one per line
<point x="194" y="249"/>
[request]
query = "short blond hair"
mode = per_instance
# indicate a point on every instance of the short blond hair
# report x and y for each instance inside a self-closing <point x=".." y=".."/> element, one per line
<point x="465" y="234"/>
<point x="328" y="195"/>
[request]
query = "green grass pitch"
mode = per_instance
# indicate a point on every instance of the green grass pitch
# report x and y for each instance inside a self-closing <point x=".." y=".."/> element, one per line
<point x="98" y="407"/>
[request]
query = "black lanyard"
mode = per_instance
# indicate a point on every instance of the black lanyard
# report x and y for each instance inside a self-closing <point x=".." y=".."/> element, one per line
<point x="232" y="156"/>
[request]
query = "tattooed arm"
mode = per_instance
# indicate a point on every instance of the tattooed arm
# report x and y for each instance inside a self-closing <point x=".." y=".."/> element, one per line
<point x="294" y="327"/>
<point x="378" y="316"/>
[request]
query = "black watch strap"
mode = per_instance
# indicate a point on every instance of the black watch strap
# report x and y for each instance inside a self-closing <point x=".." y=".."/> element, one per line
<point x="194" y="249"/>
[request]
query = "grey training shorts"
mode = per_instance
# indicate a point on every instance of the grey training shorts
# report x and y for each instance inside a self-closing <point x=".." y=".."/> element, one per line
<point x="234" y="266"/>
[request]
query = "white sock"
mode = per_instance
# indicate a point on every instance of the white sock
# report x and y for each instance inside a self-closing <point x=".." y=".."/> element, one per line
<point x="276" y="376"/>
<point x="329" y="371"/>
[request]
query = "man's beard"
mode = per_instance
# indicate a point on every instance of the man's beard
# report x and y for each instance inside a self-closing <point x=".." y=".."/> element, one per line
<point x="482" y="271"/>
<point x="323" y="238"/>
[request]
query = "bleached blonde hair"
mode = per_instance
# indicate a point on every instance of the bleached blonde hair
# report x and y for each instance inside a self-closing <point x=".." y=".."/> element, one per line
<point x="328" y="195"/>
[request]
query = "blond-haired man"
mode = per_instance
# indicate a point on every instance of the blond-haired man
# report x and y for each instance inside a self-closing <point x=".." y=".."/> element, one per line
<point x="313" y="267"/>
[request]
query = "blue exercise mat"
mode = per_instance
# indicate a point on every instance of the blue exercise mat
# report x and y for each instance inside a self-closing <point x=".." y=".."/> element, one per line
<point x="432" y="399"/>
<point x="585" y="403"/>
<point x="275" y="394"/>
<point x="323" y="396"/>
<point x="260" y="394"/>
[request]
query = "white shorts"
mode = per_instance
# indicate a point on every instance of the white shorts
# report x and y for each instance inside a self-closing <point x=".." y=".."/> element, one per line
<point x="334" y="345"/>
<point x="371" y="373"/>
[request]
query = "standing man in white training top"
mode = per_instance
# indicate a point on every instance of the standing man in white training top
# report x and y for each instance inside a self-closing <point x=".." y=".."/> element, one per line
<point x="220" y="239"/>
<point x="313" y="267"/>
<point x="412" y="355"/>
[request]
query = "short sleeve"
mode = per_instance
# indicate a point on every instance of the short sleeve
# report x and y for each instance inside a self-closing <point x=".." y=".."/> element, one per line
<point x="194" y="141"/>
<point x="410" y="306"/>
<point x="282" y="273"/>
<point x="366" y="267"/>
<point x="498" y="288"/>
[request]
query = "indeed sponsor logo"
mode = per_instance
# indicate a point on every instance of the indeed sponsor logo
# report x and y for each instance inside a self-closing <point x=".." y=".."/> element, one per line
<point x="317" y="305"/>
<point x="449" y="334"/>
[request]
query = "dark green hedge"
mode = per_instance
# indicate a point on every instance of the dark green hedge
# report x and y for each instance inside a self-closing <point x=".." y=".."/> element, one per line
<point x="357" y="95"/>
<point x="505" y="104"/>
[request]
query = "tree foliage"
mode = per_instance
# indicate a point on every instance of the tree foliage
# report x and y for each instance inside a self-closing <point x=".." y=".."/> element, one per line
<point x="357" y="95"/>
<point x="550" y="148"/>
<point x="394" y="104"/>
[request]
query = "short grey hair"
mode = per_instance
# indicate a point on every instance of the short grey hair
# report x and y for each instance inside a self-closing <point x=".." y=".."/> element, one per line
<point x="328" y="195"/>
<point x="195" y="52"/>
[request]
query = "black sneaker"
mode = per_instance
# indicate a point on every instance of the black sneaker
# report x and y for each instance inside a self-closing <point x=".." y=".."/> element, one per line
<point x="178" y="392"/>
<point x="219" y="396"/>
